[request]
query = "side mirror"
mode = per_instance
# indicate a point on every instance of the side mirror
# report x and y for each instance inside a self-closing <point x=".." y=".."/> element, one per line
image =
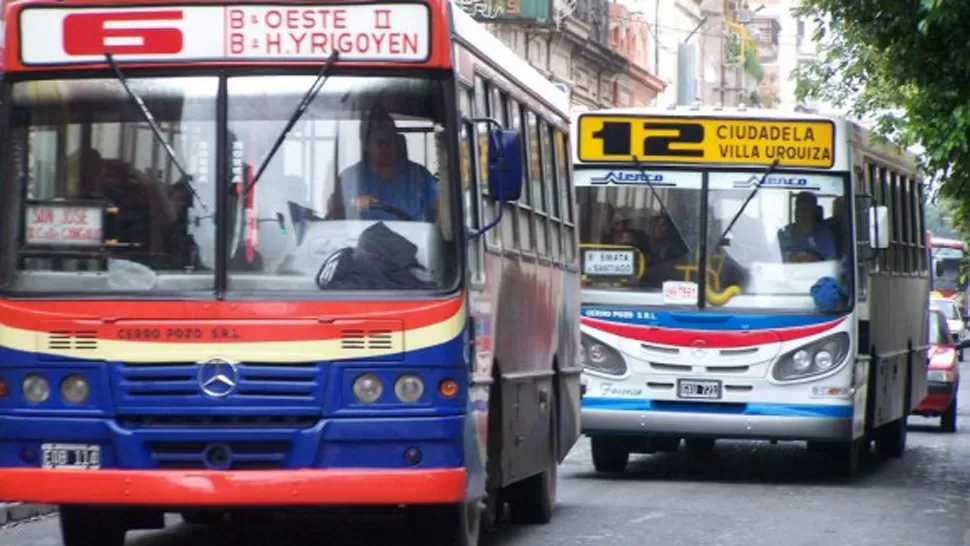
<point x="505" y="164"/>
<point x="938" y="269"/>
<point x="879" y="227"/>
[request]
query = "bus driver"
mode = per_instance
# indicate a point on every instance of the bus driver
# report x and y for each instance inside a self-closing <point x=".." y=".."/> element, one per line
<point x="385" y="176"/>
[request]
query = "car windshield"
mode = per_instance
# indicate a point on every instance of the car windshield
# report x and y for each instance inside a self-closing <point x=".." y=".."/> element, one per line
<point x="791" y="236"/>
<point x="99" y="205"/>
<point x="103" y="207"/>
<point x="948" y="307"/>
<point x="360" y="170"/>
<point x="938" y="332"/>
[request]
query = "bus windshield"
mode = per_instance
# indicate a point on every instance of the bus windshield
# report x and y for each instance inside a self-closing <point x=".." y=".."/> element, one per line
<point x="949" y="259"/>
<point x="104" y="207"/>
<point x="792" y="234"/>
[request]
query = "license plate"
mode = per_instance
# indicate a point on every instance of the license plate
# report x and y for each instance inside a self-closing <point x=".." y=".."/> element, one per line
<point x="71" y="456"/>
<point x="699" y="389"/>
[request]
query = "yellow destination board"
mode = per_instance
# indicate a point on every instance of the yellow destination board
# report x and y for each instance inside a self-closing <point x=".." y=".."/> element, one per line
<point x="794" y="143"/>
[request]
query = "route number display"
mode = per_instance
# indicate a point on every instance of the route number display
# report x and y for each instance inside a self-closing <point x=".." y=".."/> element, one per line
<point x="794" y="143"/>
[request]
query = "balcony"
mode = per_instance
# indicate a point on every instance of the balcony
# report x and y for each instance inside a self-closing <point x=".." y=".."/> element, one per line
<point x="766" y="30"/>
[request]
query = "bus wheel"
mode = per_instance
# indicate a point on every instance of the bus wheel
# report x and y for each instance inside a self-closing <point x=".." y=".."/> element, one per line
<point x="532" y="500"/>
<point x="891" y="439"/>
<point x="948" y="421"/>
<point x="463" y="526"/>
<point x="86" y="526"/>
<point x="609" y="455"/>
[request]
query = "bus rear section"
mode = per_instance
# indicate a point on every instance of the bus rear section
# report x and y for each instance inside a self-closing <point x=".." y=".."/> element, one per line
<point x="209" y="305"/>
<point x="779" y="339"/>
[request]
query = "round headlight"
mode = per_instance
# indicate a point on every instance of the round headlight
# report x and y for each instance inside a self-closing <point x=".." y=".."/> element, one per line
<point x="368" y="388"/>
<point x="36" y="388"/>
<point x="597" y="354"/>
<point x="823" y="360"/>
<point x="801" y="361"/>
<point x="75" y="389"/>
<point x="408" y="388"/>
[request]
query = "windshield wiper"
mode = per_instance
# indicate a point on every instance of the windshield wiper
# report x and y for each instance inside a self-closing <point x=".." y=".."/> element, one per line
<point x="150" y="119"/>
<point x="322" y="76"/>
<point x="653" y="189"/>
<point x="771" y="168"/>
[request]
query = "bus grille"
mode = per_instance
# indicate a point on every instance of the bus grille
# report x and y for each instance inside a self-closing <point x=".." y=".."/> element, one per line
<point x="177" y="384"/>
<point x="239" y="455"/>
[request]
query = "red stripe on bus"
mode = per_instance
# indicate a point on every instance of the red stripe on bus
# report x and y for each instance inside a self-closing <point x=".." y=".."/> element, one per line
<point x="708" y="338"/>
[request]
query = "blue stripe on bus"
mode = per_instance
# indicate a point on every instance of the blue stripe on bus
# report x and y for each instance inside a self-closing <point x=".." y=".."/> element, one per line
<point x="753" y="409"/>
<point x="690" y="320"/>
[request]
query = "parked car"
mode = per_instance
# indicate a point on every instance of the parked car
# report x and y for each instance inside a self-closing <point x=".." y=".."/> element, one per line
<point x="956" y="321"/>
<point x="943" y="376"/>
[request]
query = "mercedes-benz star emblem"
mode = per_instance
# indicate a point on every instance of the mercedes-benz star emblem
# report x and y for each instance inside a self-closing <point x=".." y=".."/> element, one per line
<point x="218" y="377"/>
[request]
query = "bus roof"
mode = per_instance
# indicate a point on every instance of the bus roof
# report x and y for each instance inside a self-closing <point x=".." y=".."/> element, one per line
<point x="501" y="57"/>
<point x="947" y="243"/>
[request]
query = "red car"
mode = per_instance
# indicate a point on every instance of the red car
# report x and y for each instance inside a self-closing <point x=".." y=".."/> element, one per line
<point x="943" y="376"/>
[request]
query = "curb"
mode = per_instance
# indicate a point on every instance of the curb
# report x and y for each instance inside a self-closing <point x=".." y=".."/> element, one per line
<point x="17" y="511"/>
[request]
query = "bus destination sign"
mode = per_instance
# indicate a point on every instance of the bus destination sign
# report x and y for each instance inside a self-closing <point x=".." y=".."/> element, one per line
<point x="794" y="143"/>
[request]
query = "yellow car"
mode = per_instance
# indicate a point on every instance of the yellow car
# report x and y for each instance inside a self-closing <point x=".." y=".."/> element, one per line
<point x="954" y="319"/>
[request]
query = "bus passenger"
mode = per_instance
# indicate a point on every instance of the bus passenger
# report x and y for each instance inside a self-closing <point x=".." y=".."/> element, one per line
<point x="807" y="240"/>
<point x="385" y="176"/>
<point x="663" y="244"/>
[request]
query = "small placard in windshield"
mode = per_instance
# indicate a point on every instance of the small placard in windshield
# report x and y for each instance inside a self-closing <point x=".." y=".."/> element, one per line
<point x="621" y="263"/>
<point x="63" y="225"/>
<point x="680" y="293"/>
<point x="55" y="34"/>
<point x="794" y="143"/>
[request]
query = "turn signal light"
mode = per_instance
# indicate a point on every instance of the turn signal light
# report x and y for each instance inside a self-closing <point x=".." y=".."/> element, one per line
<point x="448" y="388"/>
<point x="4" y="388"/>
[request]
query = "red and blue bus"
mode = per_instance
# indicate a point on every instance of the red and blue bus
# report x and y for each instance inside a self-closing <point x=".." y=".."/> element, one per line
<point x="248" y="262"/>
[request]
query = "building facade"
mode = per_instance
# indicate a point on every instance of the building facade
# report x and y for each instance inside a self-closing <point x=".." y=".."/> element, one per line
<point x="569" y="41"/>
<point x="630" y="36"/>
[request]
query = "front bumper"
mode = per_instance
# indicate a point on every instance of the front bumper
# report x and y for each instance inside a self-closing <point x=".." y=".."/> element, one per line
<point x="606" y="422"/>
<point x="347" y="461"/>
<point x="345" y="487"/>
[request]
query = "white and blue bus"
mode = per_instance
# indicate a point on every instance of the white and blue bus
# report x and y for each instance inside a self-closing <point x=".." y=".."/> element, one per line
<point x="808" y="323"/>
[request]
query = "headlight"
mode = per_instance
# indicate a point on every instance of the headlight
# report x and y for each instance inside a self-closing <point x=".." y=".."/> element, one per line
<point x="368" y="388"/>
<point x="408" y="388"/>
<point x="816" y="358"/>
<point x="75" y="389"/>
<point x="598" y="356"/>
<point x="36" y="388"/>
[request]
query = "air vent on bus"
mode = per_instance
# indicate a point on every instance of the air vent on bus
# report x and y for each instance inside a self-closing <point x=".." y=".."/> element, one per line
<point x="366" y="339"/>
<point x="84" y="340"/>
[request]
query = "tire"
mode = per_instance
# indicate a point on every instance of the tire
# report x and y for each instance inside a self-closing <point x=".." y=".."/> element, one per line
<point x="699" y="446"/>
<point x="948" y="421"/>
<point x="85" y="526"/>
<point x="891" y="439"/>
<point x="609" y="456"/>
<point x="533" y="500"/>
<point x="461" y="524"/>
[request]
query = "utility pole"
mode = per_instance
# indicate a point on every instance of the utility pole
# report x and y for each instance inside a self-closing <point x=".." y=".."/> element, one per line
<point x="687" y="67"/>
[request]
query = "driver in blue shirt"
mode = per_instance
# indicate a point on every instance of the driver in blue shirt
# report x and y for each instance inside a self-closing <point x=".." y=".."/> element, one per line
<point x="807" y="239"/>
<point x="385" y="176"/>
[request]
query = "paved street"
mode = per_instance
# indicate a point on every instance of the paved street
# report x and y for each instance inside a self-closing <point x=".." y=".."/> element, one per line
<point x="745" y="495"/>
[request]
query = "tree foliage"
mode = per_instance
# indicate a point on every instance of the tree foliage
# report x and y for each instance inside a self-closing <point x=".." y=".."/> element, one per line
<point x="907" y="64"/>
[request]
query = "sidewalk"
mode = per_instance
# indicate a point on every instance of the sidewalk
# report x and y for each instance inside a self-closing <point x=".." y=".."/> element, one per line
<point x="18" y="511"/>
